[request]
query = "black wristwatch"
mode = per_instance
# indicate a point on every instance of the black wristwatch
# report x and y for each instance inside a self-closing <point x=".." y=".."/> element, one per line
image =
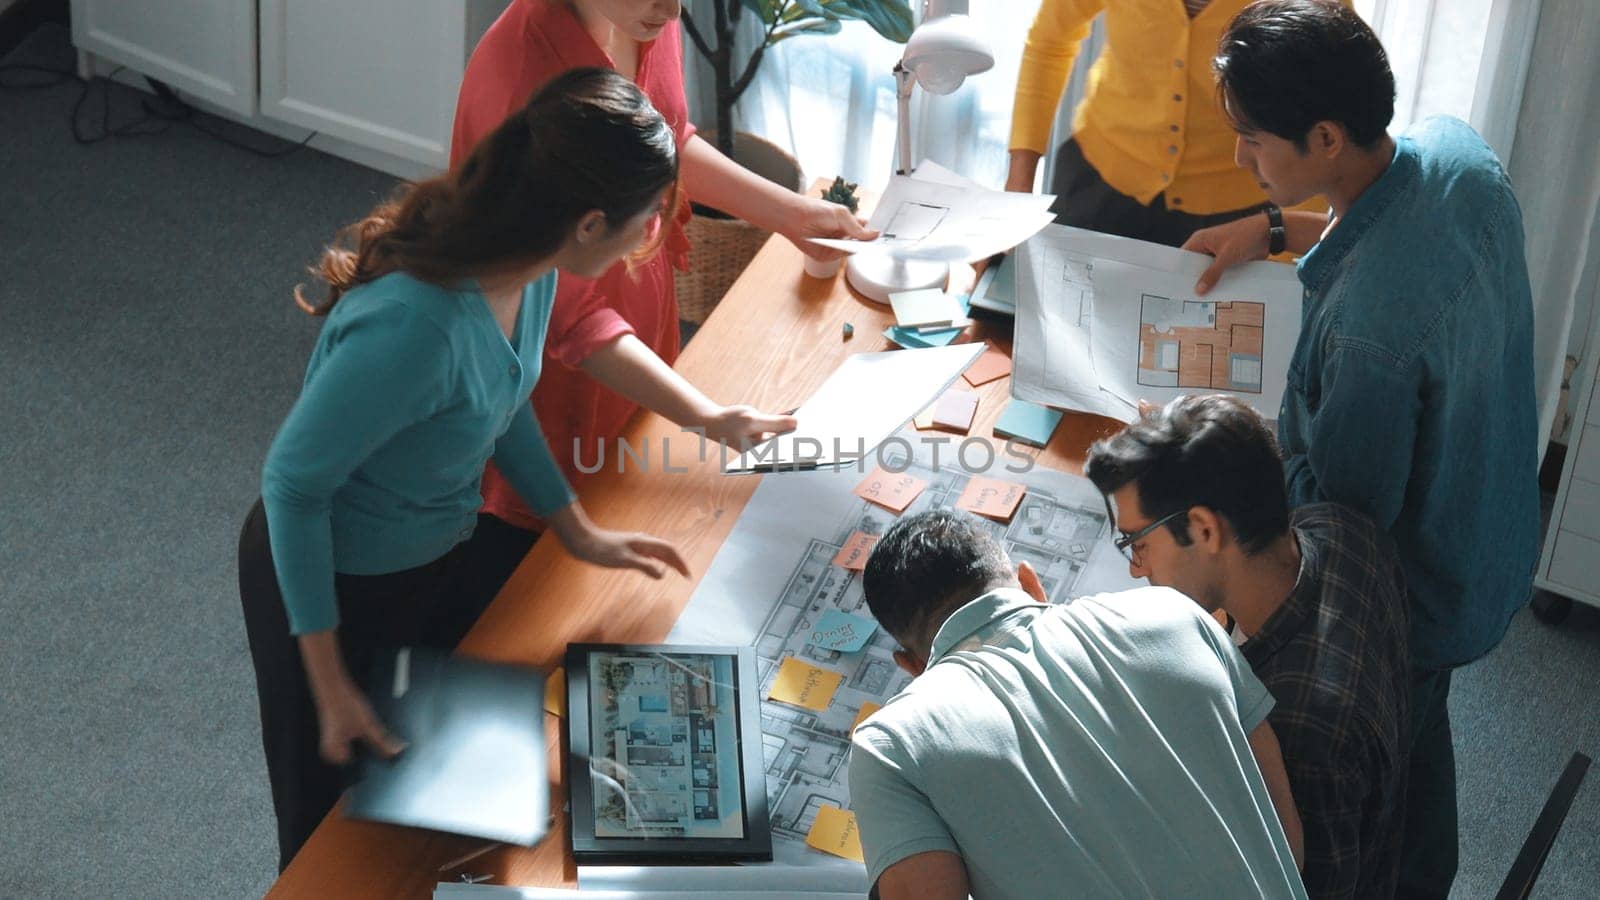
<point x="1277" y="237"/>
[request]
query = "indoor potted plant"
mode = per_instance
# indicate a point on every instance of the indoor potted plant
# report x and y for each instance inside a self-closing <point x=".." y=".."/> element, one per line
<point x="843" y="193"/>
<point x="780" y="19"/>
<point x="722" y="246"/>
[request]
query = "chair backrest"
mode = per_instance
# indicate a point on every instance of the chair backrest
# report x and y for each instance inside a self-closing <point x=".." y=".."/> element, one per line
<point x="1525" y="871"/>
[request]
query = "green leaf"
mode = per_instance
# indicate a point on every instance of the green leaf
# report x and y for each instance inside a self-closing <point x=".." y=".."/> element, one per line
<point x="809" y="26"/>
<point x="890" y="18"/>
<point x="765" y="9"/>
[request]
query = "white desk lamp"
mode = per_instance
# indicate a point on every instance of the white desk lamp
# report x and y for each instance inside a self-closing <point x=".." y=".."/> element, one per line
<point x="941" y="53"/>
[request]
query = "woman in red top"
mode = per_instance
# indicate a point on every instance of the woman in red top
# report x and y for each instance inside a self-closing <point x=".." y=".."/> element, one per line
<point x="612" y="339"/>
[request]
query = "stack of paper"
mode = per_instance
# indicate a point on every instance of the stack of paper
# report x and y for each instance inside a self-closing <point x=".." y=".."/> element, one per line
<point x="927" y="310"/>
<point x="951" y="309"/>
<point x="937" y="214"/>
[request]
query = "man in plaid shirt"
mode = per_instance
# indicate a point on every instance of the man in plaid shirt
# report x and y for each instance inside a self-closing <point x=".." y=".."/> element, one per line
<point x="1196" y="491"/>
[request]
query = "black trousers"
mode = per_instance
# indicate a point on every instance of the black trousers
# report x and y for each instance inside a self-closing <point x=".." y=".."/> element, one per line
<point x="432" y="605"/>
<point x="1084" y="200"/>
<point x="1429" y="852"/>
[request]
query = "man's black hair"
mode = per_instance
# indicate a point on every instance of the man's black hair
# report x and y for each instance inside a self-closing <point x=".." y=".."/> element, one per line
<point x="926" y="563"/>
<point x="1211" y="451"/>
<point x="1285" y="65"/>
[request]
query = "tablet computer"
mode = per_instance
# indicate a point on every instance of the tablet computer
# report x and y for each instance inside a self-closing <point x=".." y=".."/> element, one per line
<point x="476" y="761"/>
<point x="664" y="758"/>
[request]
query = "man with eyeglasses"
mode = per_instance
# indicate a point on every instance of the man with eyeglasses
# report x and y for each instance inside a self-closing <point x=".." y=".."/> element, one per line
<point x="1197" y="493"/>
<point x="1113" y="746"/>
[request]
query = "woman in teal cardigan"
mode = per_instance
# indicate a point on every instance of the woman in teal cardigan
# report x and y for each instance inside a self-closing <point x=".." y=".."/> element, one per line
<point x="365" y="536"/>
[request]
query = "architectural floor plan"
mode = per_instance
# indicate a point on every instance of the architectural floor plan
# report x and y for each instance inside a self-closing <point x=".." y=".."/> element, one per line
<point x="775" y="578"/>
<point x="1200" y="344"/>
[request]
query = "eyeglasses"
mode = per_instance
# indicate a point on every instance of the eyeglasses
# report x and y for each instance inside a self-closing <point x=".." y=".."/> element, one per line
<point x="1125" y="544"/>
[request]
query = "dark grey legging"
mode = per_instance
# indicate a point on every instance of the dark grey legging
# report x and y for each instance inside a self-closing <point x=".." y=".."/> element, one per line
<point x="432" y="605"/>
<point x="1084" y="200"/>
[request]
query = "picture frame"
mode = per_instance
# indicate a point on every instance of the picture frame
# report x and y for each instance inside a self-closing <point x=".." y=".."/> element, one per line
<point x="663" y="757"/>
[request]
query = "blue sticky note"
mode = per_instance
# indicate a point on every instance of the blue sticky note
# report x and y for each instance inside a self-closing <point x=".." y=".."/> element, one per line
<point x="909" y="338"/>
<point x="1028" y="422"/>
<point x="842" y="631"/>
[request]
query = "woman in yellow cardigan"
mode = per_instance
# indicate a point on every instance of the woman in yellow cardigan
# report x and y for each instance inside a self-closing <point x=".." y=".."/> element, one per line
<point x="1151" y="155"/>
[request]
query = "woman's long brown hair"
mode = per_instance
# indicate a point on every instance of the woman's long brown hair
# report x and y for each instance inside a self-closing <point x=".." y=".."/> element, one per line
<point x="589" y="140"/>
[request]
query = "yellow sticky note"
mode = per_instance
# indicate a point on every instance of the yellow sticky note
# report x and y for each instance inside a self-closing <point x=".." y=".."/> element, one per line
<point x="867" y="709"/>
<point x="924" y="420"/>
<point x="834" y="831"/>
<point x="802" y="684"/>
<point x="555" y="693"/>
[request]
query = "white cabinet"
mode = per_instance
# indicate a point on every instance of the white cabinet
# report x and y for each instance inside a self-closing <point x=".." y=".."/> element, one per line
<point x="1570" y="564"/>
<point x="352" y="70"/>
<point x="376" y="78"/>
<point x="205" y="48"/>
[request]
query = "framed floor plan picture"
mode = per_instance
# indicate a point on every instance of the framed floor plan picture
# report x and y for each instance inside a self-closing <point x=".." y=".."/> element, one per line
<point x="663" y="754"/>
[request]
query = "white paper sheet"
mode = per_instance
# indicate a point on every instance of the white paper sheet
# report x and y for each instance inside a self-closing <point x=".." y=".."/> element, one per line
<point x="930" y="219"/>
<point x="774" y="578"/>
<point x="454" y="891"/>
<point x="868" y="398"/>
<point x="764" y="879"/>
<point x="1154" y="339"/>
<point x="1062" y="335"/>
<point x="1050" y="351"/>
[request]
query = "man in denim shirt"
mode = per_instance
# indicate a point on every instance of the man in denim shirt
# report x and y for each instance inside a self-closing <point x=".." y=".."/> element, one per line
<point x="1411" y="388"/>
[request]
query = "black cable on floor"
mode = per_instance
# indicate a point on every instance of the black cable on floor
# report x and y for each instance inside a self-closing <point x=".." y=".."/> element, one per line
<point x="159" y="113"/>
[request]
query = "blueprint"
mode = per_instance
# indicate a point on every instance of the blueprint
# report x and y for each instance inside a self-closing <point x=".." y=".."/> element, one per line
<point x="1103" y="322"/>
<point x="775" y="578"/>
<point x="1156" y="340"/>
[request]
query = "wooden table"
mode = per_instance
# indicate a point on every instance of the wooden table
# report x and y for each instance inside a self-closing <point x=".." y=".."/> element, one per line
<point x="771" y="342"/>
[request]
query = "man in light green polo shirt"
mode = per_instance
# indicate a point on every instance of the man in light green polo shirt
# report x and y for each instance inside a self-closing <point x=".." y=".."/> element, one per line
<point x="1114" y="746"/>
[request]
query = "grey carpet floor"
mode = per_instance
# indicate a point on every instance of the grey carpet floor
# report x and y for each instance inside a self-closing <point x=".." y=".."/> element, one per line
<point x="148" y="351"/>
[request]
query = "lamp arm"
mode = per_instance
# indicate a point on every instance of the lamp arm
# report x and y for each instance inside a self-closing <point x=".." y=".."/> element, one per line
<point x="903" y="82"/>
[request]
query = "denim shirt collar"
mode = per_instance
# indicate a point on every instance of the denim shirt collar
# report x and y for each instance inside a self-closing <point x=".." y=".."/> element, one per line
<point x="977" y="616"/>
<point x="1322" y="260"/>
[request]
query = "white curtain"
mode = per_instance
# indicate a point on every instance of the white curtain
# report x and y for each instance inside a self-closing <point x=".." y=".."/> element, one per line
<point x="830" y="98"/>
<point x="1555" y="168"/>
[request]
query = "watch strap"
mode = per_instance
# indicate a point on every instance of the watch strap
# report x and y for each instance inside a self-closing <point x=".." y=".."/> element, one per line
<point x="1277" y="235"/>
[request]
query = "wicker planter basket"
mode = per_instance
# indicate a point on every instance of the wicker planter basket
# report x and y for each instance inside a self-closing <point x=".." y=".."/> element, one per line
<point x="720" y="247"/>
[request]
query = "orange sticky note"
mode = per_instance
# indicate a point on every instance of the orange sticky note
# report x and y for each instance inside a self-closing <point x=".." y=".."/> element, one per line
<point x="867" y="709"/>
<point x="802" y="684"/>
<point x="555" y="693"/>
<point x="834" y="831"/>
<point x="991" y="365"/>
<point x="893" y="490"/>
<point x="853" y="555"/>
<point x="991" y="497"/>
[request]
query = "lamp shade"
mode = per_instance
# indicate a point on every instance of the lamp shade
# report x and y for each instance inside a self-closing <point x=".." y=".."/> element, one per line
<point x="943" y="52"/>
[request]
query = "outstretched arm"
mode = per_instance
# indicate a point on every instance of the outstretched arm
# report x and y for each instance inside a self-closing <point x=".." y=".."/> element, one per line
<point x="721" y="183"/>
<point x="632" y="370"/>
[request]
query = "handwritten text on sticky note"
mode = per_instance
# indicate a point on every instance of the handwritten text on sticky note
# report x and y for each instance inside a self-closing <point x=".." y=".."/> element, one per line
<point x="834" y="831"/>
<point x="991" y="497"/>
<point x="802" y="684"/>
<point x="896" y="491"/>
<point x="853" y="555"/>
<point x="842" y="631"/>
